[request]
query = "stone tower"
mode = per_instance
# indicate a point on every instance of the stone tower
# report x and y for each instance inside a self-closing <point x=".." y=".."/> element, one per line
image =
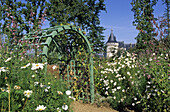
<point x="111" y="44"/>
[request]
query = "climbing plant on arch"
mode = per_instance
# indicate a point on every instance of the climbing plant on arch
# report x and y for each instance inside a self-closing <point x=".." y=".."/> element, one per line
<point x="69" y="48"/>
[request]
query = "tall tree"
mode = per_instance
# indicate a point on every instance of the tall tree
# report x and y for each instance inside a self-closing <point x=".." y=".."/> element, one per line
<point x="166" y="16"/>
<point x="143" y="15"/>
<point x="165" y="24"/>
<point x="84" y="13"/>
<point x="28" y="15"/>
<point x="18" y="17"/>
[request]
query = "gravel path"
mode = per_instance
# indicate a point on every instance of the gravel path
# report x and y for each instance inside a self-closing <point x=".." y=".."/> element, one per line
<point x="81" y="107"/>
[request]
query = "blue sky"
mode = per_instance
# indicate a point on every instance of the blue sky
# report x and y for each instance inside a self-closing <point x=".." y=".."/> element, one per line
<point x="119" y="17"/>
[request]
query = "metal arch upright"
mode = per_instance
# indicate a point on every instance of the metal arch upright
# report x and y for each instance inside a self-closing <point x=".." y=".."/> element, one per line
<point x="49" y="37"/>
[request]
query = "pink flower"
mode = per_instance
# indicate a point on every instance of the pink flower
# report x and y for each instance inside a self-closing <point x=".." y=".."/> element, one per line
<point x="149" y="76"/>
<point x="8" y="15"/>
<point x="157" y="61"/>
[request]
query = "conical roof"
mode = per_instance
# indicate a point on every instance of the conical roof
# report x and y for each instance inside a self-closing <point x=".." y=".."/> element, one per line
<point x="112" y="38"/>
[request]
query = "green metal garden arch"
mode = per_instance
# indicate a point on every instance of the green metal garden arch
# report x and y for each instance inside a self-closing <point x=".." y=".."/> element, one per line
<point x="46" y="37"/>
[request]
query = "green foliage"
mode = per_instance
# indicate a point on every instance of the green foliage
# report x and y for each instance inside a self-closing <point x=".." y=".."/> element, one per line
<point x="143" y="15"/>
<point x="84" y="13"/>
<point x="155" y="64"/>
<point x="19" y="17"/>
<point x="166" y="14"/>
<point x="165" y="23"/>
<point x="24" y="85"/>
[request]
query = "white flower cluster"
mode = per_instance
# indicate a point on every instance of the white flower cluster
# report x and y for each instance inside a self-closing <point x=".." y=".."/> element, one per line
<point x="114" y="74"/>
<point x="35" y="66"/>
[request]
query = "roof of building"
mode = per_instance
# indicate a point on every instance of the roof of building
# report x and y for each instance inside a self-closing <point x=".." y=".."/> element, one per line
<point x="112" y="38"/>
<point x="121" y="43"/>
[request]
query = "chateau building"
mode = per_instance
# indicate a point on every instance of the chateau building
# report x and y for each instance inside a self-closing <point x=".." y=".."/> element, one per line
<point x="113" y="45"/>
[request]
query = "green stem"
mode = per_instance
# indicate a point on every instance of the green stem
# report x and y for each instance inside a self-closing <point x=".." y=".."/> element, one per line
<point x="25" y="103"/>
<point x="9" y="98"/>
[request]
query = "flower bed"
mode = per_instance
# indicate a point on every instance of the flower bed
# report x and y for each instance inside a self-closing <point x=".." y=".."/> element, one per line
<point x="137" y="82"/>
<point x="25" y="87"/>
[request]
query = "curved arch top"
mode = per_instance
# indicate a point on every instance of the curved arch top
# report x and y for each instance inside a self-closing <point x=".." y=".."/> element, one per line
<point x="49" y="35"/>
<point x="54" y="31"/>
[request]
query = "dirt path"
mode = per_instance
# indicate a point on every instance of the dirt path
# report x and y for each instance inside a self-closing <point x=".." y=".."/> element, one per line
<point x="81" y="107"/>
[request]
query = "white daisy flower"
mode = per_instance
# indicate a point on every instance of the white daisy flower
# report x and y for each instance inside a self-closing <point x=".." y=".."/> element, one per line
<point x="36" y="83"/>
<point x="41" y="85"/>
<point x="111" y="81"/>
<point x="114" y="83"/>
<point x="72" y="98"/>
<point x="68" y="92"/>
<point x="65" y="107"/>
<point x="123" y="90"/>
<point x="123" y="66"/>
<point x="17" y="87"/>
<point x="8" y="59"/>
<point x="33" y="76"/>
<point x="54" y="67"/>
<point x="59" y="92"/>
<point x="137" y="102"/>
<point x="133" y="104"/>
<point x="135" y="98"/>
<point x="122" y="100"/>
<point x="113" y="91"/>
<point x="118" y="75"/>
<point x="40" y="108"/>
<point x="48" y="87"/>
<point x="26" y="66"/>
<point x="128" y="73"/>
<point x="28" y="93"/>
<point x="118" y="87"/>
<point x="3" y="90"/>
<point x="2" y="69"/>
<point x="37" y="66"/>
<point x="58" y="109"/>
<point x="46" y="90"/>
<point x="106" y="93"/>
